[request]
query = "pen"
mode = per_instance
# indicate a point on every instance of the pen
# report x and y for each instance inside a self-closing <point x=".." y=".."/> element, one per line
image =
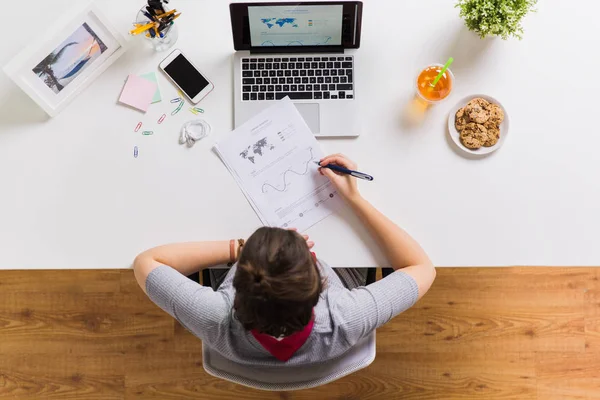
<point x="343" y="170"/>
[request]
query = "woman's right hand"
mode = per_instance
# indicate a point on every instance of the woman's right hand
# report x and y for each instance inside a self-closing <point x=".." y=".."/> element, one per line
<point x="345" y="184"/>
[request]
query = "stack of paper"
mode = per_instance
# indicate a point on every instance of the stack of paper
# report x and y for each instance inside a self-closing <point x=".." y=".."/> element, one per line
<point x="138" y="92"/>
<point x="151" y="76"/>
<point x="272" y="158"/>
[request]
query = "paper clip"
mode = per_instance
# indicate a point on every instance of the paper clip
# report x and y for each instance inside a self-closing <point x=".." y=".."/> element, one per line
<point x="138" y="126"/>
<point x="198" y="109"/>
<point x="176" y="100"/>
<point x="180" y="93"/>
<point x="179" y="107"/>
<point x="147" y="133"/>
<point x="135" y="151"/>
<point x="193" y="111"/>
<point x="162" y="118"/>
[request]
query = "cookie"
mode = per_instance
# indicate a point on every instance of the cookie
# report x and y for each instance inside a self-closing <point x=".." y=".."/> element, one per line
<point x="480" y="102"/>
<point x="460" y="119"/>
<point x="473" y="136"/>
<point x="493" y="133"/>
<point x="496" y="114"/>
<point x="477" y="111"/>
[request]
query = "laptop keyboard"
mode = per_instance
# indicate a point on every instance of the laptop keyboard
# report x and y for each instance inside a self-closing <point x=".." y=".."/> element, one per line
<point x="300" y="78"/>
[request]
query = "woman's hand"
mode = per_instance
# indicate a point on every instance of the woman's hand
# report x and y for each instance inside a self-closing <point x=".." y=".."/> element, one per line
<point x="345" y="184"/>
<point x="309" y="243"/>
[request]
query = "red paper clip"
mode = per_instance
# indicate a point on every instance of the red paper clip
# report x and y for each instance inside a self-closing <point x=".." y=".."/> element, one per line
<point x="137" y="128"/>
<point x="162" y="118"/>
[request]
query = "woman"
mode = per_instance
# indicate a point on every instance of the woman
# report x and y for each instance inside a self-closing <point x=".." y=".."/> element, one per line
<point x="279" y="305"/>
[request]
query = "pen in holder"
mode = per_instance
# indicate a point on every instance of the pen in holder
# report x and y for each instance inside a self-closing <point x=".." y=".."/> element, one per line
<point x="158" y="26"/>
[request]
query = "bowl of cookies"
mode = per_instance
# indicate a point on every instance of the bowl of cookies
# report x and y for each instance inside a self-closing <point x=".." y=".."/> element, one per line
<point x="478" y="124"/>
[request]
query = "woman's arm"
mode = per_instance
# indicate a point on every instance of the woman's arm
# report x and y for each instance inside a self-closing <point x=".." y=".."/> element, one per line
<point x="401" y="250"/>
<point x="186" y="258"/>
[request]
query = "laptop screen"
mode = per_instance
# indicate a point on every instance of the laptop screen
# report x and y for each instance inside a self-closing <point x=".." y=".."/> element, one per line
<point x="295" y="25"/>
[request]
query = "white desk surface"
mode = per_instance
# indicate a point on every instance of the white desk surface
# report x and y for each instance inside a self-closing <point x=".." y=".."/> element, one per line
<point x="73" y="196"/>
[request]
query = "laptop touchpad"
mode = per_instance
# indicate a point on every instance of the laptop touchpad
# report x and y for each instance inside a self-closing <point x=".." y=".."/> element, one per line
<point x="310" y="113"/>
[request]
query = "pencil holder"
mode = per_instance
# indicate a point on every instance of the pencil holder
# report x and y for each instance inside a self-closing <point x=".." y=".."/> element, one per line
<point x="169" y="34"/>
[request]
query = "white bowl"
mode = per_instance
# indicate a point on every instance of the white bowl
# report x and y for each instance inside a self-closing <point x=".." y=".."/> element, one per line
<point x="454" y="134"/>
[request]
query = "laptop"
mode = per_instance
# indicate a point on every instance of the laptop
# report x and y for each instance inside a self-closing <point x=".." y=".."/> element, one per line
<point x="303" y="50"/>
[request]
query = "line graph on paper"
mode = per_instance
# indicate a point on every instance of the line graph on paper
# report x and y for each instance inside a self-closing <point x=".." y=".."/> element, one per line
<point x="289" y="173"/>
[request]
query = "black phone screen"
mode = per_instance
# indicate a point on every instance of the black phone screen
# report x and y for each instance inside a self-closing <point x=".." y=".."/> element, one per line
<point x="186" y="76"/>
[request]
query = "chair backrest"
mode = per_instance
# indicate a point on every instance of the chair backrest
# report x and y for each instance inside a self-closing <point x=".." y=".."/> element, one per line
<point x="284" y="378"/>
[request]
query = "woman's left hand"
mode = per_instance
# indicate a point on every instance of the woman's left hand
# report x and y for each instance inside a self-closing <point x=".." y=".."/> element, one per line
<point x="310" y="243"/>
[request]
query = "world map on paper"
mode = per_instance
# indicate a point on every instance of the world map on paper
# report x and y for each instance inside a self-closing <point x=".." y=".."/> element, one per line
<point x="256" y="149"/>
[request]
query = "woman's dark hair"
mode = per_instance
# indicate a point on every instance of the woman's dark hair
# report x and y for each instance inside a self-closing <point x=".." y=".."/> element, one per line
<point x="277" y="283"/>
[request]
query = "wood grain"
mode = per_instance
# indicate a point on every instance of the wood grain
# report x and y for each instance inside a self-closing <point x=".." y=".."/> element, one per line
<point x="480" y="333"/>
<point x="74" y="281"/>
<point x="568" y="375"/>
<point x="458" y="314"/>
<point x="54" y="376"/>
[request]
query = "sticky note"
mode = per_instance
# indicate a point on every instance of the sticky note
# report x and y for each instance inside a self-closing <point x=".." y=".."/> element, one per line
<point x="151" y="76"/>
<point x="138" y="93"/>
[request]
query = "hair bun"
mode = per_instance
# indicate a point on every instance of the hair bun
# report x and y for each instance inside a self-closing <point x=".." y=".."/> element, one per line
<point x="258" y="275"/>
<point x="277" y="283"/>
<point x="262" y="287"/>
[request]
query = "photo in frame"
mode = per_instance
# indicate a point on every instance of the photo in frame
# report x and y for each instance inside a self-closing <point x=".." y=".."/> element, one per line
<point x="58" y="66"/>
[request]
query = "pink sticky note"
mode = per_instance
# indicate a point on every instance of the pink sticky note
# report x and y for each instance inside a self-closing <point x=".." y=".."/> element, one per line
<point x="138" y="92"/>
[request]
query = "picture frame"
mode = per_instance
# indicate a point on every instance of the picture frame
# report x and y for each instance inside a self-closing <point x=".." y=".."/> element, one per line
<point x="65" y="60"/>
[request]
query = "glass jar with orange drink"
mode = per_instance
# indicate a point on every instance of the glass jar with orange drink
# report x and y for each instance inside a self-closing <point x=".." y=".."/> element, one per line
<point x="441" y="90"/>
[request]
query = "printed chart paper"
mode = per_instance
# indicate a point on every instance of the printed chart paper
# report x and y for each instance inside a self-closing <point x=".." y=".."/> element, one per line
<point x="272" y="158"/>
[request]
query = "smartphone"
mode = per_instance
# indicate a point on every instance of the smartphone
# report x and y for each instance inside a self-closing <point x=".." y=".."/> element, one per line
<point x="186" y="76"/>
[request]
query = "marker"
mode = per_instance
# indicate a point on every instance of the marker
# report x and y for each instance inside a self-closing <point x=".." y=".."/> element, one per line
<point x="343" y="170"/>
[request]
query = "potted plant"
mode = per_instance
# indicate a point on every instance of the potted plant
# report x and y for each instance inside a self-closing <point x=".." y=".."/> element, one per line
<point x="495" y="17"/>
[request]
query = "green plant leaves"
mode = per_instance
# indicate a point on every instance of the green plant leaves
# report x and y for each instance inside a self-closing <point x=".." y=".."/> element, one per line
<point x="495" y="17"/>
